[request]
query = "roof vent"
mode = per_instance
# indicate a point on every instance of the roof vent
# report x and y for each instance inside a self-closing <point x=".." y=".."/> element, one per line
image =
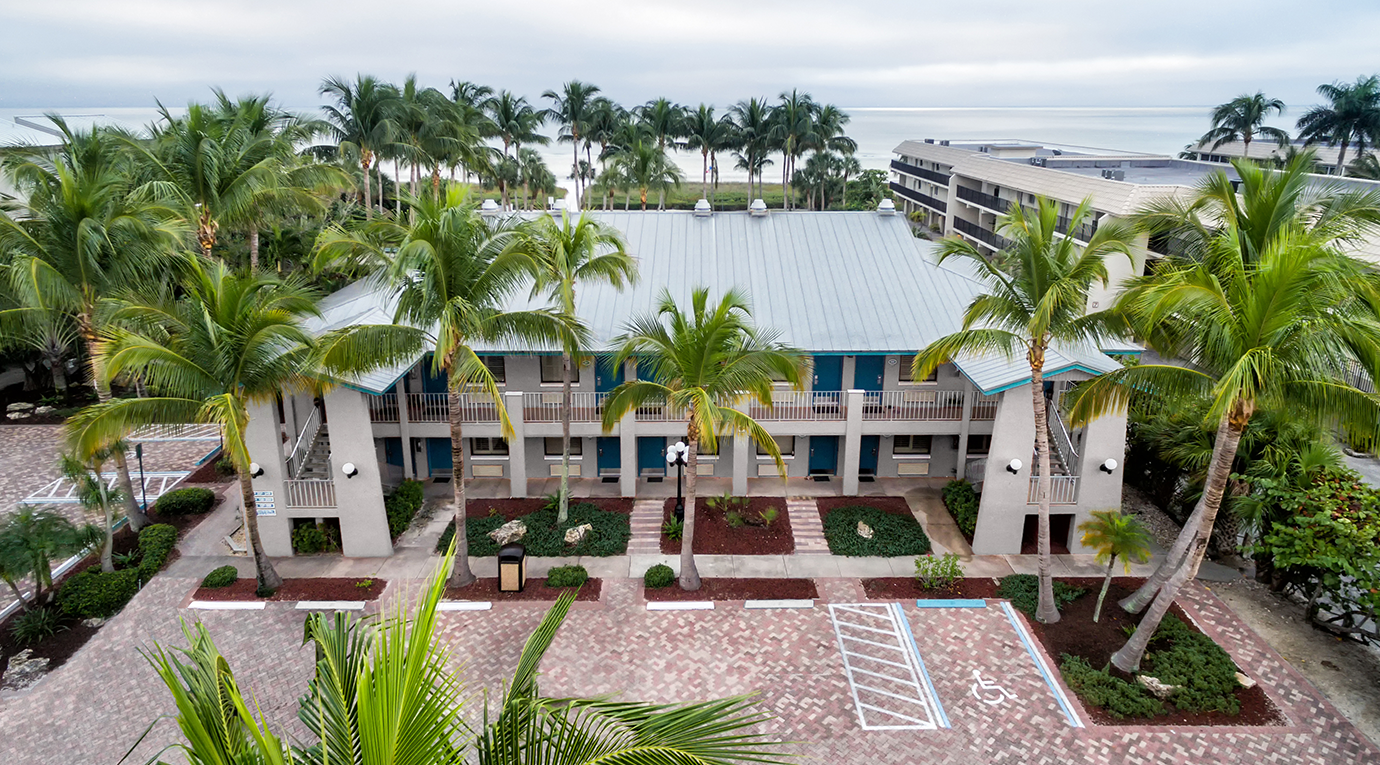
<point x="757" y="209"/>
<point x="944" y="142"/>
<point x="489" y="207"/>
<point x="886" y="207"/>
<point x="702" y="209"/>
<point x="929" y="140"/>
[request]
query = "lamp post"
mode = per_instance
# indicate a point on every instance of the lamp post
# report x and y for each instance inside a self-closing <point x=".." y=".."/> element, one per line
<point x="143" y="484"/>
<point x="676" y="455"/>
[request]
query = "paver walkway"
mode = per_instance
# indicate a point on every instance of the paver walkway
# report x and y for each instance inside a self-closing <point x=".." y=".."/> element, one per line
<point x="806" y="526"/>
<point x="646" y="527"/>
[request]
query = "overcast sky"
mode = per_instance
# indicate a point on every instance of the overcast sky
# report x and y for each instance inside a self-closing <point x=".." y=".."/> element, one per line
<point x="69" y="53"/>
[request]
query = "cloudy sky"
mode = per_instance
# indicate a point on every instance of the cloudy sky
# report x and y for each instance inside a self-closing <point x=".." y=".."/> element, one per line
<point x="68" y="53"/>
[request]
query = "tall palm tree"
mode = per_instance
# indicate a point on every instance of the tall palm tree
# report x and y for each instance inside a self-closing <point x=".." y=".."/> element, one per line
<point x="1266" y="311"/>
<point x="1242" y="119"/>
<point x="702" y="363"/>
<point x="572" y="107"/>
<point x="1039" y="303"/>
<point x="708" y="134"/>
<point x="850" y="166"/>
<point x="647" y="167"/>
<point x="606" y="121"/>
<point x="361" y="121"/>
<point x="453" y="270"/>
<point x="793" y="130"/>
<point x="665" y="120"/>
<point x="516" y="123"/>
<point x="470" y="119"/>
<point x="1351" y="118"/>
<point x="536" y="177"/>
<point x="82" y="238"/>
<point x="753" y="119"/>
<point x="229" y="342"/>
<point x="1113" y="536"/>
<point x="569" y="254"/>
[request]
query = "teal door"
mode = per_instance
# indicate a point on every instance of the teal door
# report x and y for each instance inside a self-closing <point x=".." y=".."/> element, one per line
<point x="867" y="372"/>
<point x="605" y="379"/>
<point x="392" y="451"/>
<point x="651" y="454"/>
<point x="438" y="455"/>
<point x="824" y="455"/>
<point x="867" y="461"/>
<point x="432" y="382"/>
<point x="610" y="455"/>
<point x="828" y="373"/>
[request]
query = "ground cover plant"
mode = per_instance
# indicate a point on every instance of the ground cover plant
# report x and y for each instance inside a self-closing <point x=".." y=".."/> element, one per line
<point x="892" y="534"/>
<point x="935" y="572"/>
<point x="608" y="535"/>
<point x="402" y="506"/>
<point x="961" y="500"/>
<point x="188" y="501"/>
<point x="1023" y="590"/>
<point x="220" y="577"/>
<point x="566" y="576"/>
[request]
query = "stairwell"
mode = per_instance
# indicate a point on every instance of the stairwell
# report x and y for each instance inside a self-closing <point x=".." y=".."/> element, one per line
<point x="317" y="464"/>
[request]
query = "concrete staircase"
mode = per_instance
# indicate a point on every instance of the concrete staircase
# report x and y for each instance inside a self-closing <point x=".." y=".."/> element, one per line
<point x="317" y="465"/>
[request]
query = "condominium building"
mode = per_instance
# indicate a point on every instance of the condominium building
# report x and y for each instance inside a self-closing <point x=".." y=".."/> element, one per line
<point x="855" y="290"/>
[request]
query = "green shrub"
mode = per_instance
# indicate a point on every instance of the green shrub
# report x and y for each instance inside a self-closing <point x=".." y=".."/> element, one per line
<point x="36" y="625"/>
<point x="309" y="540"/>
<point x="566" y="576"/>
<point x="673" y="529"/>
<point x="608" y="534"/>
<point x="225" y="467"/>
<point x="962" y="501"/>
<point x="658" y="576"/>
<point x="935" y="572"/>
<point x="892" y="535"/>
<point x="1098" y="688"/>
<point x="93" y="594"/>
<point x="402" y="506"/>
<point x="1205" y="674"/>
<point x="156" y="543"/>
<point x="185" y="502"/>
<point x="1023" y="590"/>
<point x="221" y="577"/>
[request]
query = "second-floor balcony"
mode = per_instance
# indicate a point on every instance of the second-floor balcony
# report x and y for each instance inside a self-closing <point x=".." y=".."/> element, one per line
<point x="920" y="199"/>
<point x="916" y="171"/>
<point x="981" y="234"/>
<point x="989" y="201"/>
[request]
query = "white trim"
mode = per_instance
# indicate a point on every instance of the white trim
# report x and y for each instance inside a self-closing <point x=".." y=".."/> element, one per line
<point x="769" y="458"/>
<point x="681" y="605"/>
<point x="464" y="605"/>
<point x="228" y="605"/>
<point x="330" y="605"/>
<point x="905" y="457"/>
<point x="489" y="457"/>
<point x="787" y="603"/>
<point x="557" y="457"/>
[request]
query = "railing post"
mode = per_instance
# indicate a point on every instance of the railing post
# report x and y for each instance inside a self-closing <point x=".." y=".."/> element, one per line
<point x="404" y="430"/>
<point x="627" y="443"/>
<point x="852" y="441"/>
<point x="962" y="468"/>
<point x="517" y="448"/>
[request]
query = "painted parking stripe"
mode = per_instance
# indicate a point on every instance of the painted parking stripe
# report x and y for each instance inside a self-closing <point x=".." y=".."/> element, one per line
<point x="924" y="673"/>
<point x="1035" y="656"/>
<point x="886" y="678"/>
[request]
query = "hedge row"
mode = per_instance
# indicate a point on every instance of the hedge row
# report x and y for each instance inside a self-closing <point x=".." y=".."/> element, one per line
<point x="96" y="594"/>
<point x="962" y="500"/>
<point x="191" y="501"/>
<point x="402" y="506"/>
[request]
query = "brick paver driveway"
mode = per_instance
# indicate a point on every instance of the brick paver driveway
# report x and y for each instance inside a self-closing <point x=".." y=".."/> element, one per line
<point x="91" y="710"/>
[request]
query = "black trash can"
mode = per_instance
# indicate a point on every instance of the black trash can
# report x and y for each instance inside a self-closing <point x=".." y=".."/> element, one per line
<point x="512" y="568"/>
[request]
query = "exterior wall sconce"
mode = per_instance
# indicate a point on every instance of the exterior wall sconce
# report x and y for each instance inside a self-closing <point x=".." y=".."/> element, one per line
<point x="255" y="470"/>
<point x="1108" y="466"/>
<point x="1014" y="467"/>
<point x="349" y="470"/>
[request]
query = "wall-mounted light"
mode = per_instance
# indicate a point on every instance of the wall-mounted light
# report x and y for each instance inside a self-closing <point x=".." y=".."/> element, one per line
<point x="1013" y="467"/>
<point x="1108" y="466"/>
<point x="349" y="470"/>
<point x="255" y="470"/>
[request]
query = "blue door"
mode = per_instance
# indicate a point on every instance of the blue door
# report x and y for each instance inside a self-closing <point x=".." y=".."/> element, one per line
<point x="392" y="451"/>
<point x="432" y="382"/>
<point x="867" y="372"/>
<point x="828" y="373"/>
<point x="438" y="455"/>
<point x="605" y="379"/>
<point x="610" y="455"/>
<point x="651" y="454"/>
<point x="867" y="461"/>
<point x="824" y="455"/>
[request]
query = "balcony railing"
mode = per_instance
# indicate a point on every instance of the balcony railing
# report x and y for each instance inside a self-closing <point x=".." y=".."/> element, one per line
<point x="546" y="407"/>
<point x="309" y="493"/>
<point x="984" y="408"/>
<point x="984" y="200"/>
<point x="799" y="405"/>
<point x="1063" y="490"/>
<point x="657" y="413"/>
<point x="306" y="439"/>
<point x="981" y="234"/>
<point x="936" y="405"/>
<point x="382" y="408"/>
<point x="930" y="175"/>
<point x="918" y="198"/>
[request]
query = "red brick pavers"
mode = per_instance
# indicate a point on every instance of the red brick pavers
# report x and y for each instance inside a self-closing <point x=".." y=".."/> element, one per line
<point x="93" y="709"/>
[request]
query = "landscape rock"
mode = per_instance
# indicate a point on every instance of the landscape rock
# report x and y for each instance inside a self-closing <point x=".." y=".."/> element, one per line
<point x="1246" y="682"/>
<point x="19" y="406"/>
<point x="17" y="415"/>
<point x="864" y="530"/>
<point x="94" y="621"/>
<point x="509" y="532"/>
<point x="576" y="535"/>
<point x="23" y="671"/>
<point x="43" y="410"/>
<point x="1157" y="689"/>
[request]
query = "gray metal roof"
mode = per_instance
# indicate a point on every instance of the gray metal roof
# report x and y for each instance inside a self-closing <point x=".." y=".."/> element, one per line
<point x="829" y="282"/>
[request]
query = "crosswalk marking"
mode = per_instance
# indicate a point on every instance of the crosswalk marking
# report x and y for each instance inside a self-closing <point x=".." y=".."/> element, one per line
<point x="897" y="700"/>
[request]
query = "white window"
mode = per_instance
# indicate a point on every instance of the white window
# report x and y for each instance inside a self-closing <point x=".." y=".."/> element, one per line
<point x="488" y="447"/>
<point x="911" y="445"/>
<point x="905" y="371"/>
<point x="552" y="446"/>
<point x="551" y="370"/>
<point x="784" y="443"/>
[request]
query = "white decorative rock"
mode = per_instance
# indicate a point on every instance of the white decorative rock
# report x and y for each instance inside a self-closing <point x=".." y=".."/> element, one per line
<point x="94" y="621"/>
<point x="1246" y="682"/>
<point x="43" y="410"/>
<point x="23" y="671"/>
<point x="864" y="530"/>
<point x="19" y="406"/>
<point x="1157" y="689"/>
<point x="509" y="532"/>
<point x="17" y="415"/>
<point x="577" y="535"/>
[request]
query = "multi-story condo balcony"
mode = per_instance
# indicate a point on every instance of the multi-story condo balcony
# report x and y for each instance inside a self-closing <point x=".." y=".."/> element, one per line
<point x="989" y="201"/>
<point x="932" y="176"/>
<point x="981" y="234"/>
<point x="938" y="205"/>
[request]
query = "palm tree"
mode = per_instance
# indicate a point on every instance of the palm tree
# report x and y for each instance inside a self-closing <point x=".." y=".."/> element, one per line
<point x="753" y="120"/>
<point x="229" y="342"/>
<point x="849" y="166"/>
<point x="361" y="121"/>
<point x="569" y="254"/>
<point x="702" y="363"/>
<point x="1242" y="118"/>
<point x="1366" y="166"/>
<point x="666" y="122"/>
<point x="1039" y="303"/>
<point x="534" y="174"/>
<point x="84" y="237"/>
<point x="382" y="693"/>
<point x="1265" y="311"/>
<point x="1114" y="536"/>
<point x="516" y="123"/>
<point x="30" y="540"/>
<point x="647" y="167"/>
<point x="573" y="107"/>
<point x="453" y="270"/>
<point x="1352" y="118"/>
<point x="94" y="494"/>
<point x="708" y="134"/>
<point x="606" y="121"/>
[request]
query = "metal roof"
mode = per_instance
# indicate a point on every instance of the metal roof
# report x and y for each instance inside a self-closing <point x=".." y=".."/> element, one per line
<point x="828" y="282"/>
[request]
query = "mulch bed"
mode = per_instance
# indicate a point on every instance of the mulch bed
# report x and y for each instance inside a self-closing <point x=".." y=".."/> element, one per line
<point x="738" y="589"/>
<point x="519" y="506"/>
<point x="535" y="590"/>
<point x="713" y="535"/>
<point x="1076" y="634"/>
<point x="892" y="505"/>
<point x="907" y="588"/>
<point x="207" y="474"/>
<point x="321" y="588"/>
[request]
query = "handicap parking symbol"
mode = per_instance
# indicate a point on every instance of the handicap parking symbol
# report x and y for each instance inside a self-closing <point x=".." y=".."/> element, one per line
<point x="988" y="691"/>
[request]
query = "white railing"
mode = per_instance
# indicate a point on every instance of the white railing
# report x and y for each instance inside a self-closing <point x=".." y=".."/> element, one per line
<point x="919" y="404"/>
<point x="1063" y="490"/>
<point x="382" y="408"/>
<point x="305" y="440"/>
<point x="799" y="405"/>
<point x="435" y="407"/>
<point x="546" y="407"/>
<point x="1059" y="437"/>
<point x="984" y="407"/>
<point x="309" y="493"/>
<point x="657" y="413"/>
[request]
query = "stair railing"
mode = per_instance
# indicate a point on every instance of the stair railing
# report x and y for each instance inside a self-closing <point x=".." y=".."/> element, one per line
<point x="306" y="439"/>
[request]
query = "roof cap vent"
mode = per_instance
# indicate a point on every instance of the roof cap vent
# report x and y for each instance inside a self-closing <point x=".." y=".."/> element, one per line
<point x="702" y="209"/>
<point x="944" y="142"/>
<point x="757" y="209"/>
<point x="886" y="207"/>
<point x="929" y="140"/>
<point x="489" y="207"/>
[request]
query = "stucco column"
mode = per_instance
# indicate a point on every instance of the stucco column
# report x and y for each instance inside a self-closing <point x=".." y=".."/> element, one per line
<point x="1001" y="516"/>
<point x="404" y="430"/>
<point x="627" y="443"/>
<point x="968" y="397"/>
<point x="850" y="366"/>
<point x="742" y="451"/>
<point x="358" y="500"/>
<point x="852" y="437"/>
<point x="265" y="442"/>
<point x="517" y="448"/>
<point x="1104" y="438"/>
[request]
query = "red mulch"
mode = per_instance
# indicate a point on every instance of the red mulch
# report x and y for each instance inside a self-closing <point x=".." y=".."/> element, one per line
<point x="519" y="506"/>
<point x="322" y="588"/>
<point x="1076" y="634"/>
<point x="713" y="535"/>
<point x="536" y="589"/>
<point x="893" y="505"/>
<point x="907" y="588"/>
<point x="738" y="589"/>
<point x="207" y="474"/>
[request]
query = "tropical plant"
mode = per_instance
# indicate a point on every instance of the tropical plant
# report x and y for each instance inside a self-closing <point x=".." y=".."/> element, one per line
<point x="30" y="540"/>
<point x="516" y="123"/>
<point x="701" y="363"/>
<point x="1113" y="536"/>
<point x="94" y="494"/>
<point x="708" y="134"/>
<point x="665" y="121"/>
<point x="573" y="107"/>
<point x="646" y="167"/>
<point x="361" y="121"/>
<point x="752" y="118"/>
<point x="1352" y="118"/>
<point x="1039" y="303"/>
<point x="1265" y="310"/>
<point x="567" y="254"/>
<point x="792" y="132"/>
<point x="1242" y="119"/>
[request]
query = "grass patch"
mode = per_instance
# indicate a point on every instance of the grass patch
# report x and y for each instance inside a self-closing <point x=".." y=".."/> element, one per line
<point x="1023" y="590"/>
<point x="892" y="535"/>
<point x="609" y="535"/>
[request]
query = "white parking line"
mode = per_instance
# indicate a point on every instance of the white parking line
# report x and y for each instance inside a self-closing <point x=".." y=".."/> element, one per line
<point x="903" y="700"/>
